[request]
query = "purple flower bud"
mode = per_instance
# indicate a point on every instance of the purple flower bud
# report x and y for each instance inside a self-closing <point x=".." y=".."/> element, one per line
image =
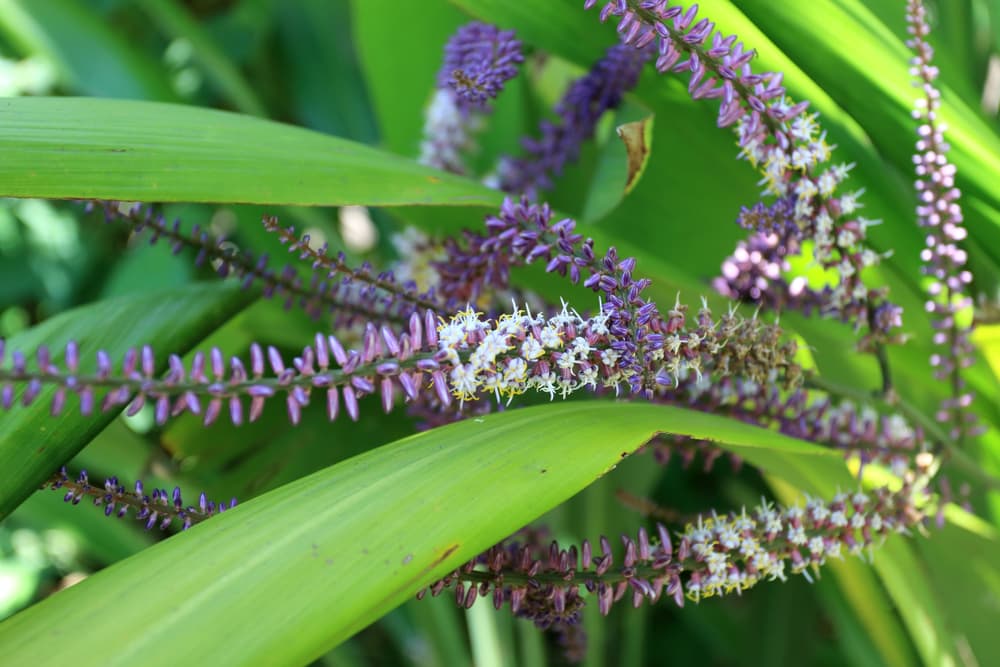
<point x="351" y="403"/>
<point x="478" y="60"/>
<point x="579" y="111"/>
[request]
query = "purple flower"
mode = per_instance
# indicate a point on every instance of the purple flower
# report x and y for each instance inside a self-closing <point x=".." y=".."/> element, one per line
<point x="719" y="554"/>
<point x="776" y="136"/>
<point x="478" y="60"/>
<point x="649" y="349"/>
<point x="157" y="508"/>
<point x="940" y="214"/>
<point x="579" y="111"/>
<point x="332" y="287"/>
<point x="859" y="431"/>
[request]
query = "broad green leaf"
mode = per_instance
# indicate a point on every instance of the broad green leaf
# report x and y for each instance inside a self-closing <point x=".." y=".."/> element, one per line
<point x="987" y="339"/>
<point x="287" y="575"/>
<point x="142" y="151"/>
<point x="33" y="444"/>
<point x="867" y="625"/>
<point x="909" y="583"/>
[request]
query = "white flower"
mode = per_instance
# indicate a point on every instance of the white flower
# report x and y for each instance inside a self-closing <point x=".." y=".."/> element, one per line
<point x="581" y="347"/>
<point x="817" y="546"/>
<point x="550" y="338"/>
<point x="464" y="383"/>
<point x="531" y="348"/>
<point x="566" y="360"/>
<point x="797" y="535"/>
<point x="849" y="202"/>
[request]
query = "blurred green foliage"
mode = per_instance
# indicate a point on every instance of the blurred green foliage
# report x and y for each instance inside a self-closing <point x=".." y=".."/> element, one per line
<point x="364" y="71"/>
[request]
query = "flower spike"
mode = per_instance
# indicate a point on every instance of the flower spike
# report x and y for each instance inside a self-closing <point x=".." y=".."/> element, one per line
<point x="156" y="508"/>
<point x="939" y="212"/>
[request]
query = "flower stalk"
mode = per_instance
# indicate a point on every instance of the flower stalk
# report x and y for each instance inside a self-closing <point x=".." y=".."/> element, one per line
<point x="713" y="555"/>
<point x="940" y="214"/>
<point x="157" y="508"/>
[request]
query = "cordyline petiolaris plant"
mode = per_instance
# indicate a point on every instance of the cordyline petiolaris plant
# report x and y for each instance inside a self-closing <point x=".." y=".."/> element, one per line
<point x="466" y="324"/>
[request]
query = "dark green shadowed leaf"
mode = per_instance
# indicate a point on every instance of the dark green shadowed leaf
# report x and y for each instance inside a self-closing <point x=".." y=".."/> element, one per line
<point x="89" y="56"/>
<point x="290" y="574"/>
<point x="173" y="19"/>
<point x="864" y="603"/>
<point x="117" y="149"/>
<point x="33" y="444"/>
<point x="325" y="88"/>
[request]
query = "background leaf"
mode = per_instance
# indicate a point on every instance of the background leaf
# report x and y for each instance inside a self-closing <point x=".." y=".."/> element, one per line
<point x="151" y="152"/>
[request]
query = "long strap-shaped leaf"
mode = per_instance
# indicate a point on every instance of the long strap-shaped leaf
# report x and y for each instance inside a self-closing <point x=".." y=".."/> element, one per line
<point x="283" y="578"/>
<point x="120" y="149"/>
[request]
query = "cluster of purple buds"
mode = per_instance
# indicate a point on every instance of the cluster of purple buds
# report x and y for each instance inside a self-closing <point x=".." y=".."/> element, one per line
<point x="775" y="135"/>
<point x="581" y="108"/>
<point x="522" y="232"/>
<point x="859" y="431"/>
<point x="940" y="214"/>
<point x="666" y="447"/>
<point x="714" y="555"/>
<point x="464" y="358"/>
<point x="400" y="299"/>
<point x="718" y="64"/>
<point x="352" y="295"/>
<point x="549" y="608"/>
<point x="645" y="340"/>
<point x="755" y="272"/>
<point x="159" y="507"/>
<point x="478" y="60"/>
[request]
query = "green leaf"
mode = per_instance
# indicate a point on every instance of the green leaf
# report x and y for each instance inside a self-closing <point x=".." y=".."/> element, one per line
<point x="963" y="561"/>
<point x="326" y="90"/>
<point x="400" y="46"/>
<point x="176" y="21"/>
<point x="286" y="576"/>
<point x="90" y="56"/>
<point x="871" y="606"/>
<point x="143" y="151"/>
<point x="621" y="163"/>
<point x="33" y="444"/>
